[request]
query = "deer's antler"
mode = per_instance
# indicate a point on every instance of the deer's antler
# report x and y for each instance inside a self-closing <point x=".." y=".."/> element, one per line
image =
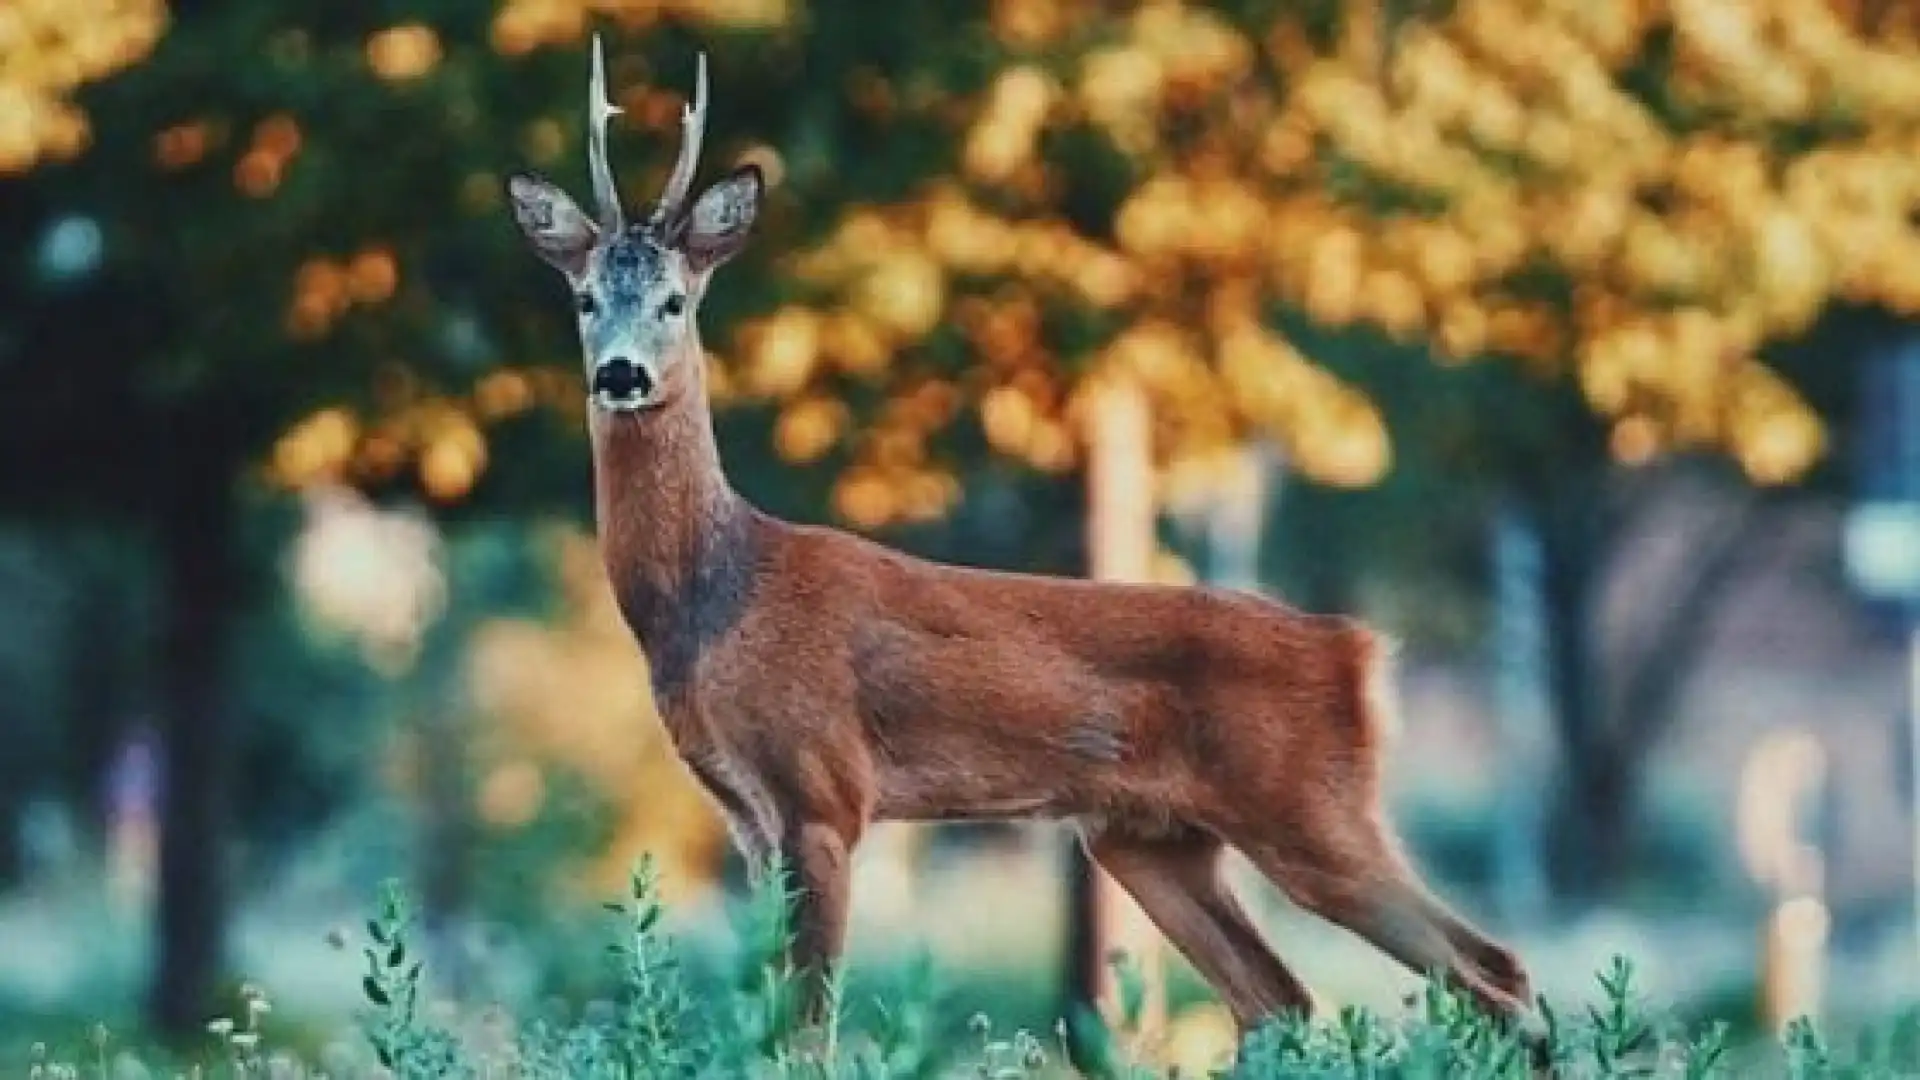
<point x="599" y="111"/>
<point x="693" y="125"/>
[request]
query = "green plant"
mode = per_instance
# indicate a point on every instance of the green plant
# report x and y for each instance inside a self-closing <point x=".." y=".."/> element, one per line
<point x="403" y="1042"/>
<point x="659" y="1020"/>
<point x="659" y="1033"/>
<point x="1450" y="1038"/>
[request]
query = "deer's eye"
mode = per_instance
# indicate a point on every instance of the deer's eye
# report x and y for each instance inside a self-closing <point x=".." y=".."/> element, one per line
<point x="585" y="303"/>
<point x="674" y="305"/>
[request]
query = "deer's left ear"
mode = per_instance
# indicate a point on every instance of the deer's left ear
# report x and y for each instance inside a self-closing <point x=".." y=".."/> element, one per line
<point x="717" y="226"/>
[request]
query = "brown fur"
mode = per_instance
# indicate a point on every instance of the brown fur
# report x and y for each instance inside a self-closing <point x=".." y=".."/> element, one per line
<point x="816" y="682"/>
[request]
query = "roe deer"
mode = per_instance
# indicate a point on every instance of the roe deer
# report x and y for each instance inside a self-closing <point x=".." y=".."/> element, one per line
<point x="815" y="682"/>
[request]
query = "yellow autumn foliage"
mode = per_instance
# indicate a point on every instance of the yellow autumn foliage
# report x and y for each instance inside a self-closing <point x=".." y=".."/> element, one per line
<point x="1637" y="196"/>
<point x="1498" y="145"/>
<point x="48" y="48"/>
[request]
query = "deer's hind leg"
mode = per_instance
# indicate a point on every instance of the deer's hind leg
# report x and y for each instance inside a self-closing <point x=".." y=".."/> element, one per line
<point x="1313" y="825"/>
<point x="1350" y="873"/>
<point x="1499" y="964"/>
<point x="1176" y="879"/>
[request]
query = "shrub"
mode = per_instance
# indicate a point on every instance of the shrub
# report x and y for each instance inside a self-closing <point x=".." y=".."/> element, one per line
<point x="658" y="1024"/>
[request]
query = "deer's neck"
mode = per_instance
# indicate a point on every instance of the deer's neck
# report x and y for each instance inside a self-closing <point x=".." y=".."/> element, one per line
<point x="681" y="548"/>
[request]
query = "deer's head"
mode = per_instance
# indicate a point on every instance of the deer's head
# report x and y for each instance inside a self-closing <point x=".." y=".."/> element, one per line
<point x="637" y="287"/>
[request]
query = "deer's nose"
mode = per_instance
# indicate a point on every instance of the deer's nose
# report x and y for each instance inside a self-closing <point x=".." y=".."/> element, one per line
<point x="619" y="379"/>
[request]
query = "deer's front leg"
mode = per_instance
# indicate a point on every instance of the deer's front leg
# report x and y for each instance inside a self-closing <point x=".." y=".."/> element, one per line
<point x="819" y="856"/>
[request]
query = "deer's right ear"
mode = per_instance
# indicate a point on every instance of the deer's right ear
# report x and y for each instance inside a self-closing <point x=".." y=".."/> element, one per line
<point x="552" y="222"/>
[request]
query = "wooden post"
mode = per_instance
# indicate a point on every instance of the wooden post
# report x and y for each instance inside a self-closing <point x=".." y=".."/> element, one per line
<point x="1785" y="773"/>
<point x="1237" y="519"/>
<point x="1120" y="545"/>
<point x="1793" y="961"/>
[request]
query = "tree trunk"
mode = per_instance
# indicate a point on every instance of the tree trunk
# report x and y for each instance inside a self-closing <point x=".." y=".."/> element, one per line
<point x="1594" y="825"/>
<point x="1086" y="961"/>
<point x="200" y="580"/>
<point x="446" y="824"/>
<point x="1586" y="847"/>
<point x="1089" y="975"/>
<point x="13" y="863"/>
<point x="1605" y="737"/>
<point x="95" y="717"/>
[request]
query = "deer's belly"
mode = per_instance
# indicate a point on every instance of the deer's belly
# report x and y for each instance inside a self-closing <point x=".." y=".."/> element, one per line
<point x="908" y="793"/>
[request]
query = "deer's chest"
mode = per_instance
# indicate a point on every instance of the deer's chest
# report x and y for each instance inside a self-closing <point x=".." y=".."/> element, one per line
<point x="738" y="790"/>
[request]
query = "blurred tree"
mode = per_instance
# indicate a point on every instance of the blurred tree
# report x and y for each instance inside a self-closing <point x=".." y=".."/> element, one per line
<point x="283" y="247"/>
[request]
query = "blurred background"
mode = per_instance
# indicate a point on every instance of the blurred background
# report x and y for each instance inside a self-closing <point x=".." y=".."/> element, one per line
<point x="1571" y="342"/>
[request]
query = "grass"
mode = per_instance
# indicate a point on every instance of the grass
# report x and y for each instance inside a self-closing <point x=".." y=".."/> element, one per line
<point x="658" y="1020"/>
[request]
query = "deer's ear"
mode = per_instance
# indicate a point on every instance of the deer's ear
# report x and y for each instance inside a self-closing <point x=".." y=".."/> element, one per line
<point x="717" y="226"/>
<point x="552" y="222"/>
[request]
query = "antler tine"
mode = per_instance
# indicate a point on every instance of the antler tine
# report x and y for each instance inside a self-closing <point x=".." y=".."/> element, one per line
<point x="599" y="111"/>
<point x="693" y="125"/>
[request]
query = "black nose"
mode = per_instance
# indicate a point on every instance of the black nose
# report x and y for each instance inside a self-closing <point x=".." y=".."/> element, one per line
<point x="622" y="379"/>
